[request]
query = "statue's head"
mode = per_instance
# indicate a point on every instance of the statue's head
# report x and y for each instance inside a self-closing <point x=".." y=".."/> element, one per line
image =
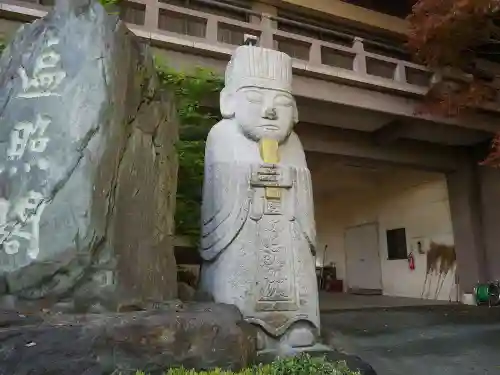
<point x="257" y="93"/>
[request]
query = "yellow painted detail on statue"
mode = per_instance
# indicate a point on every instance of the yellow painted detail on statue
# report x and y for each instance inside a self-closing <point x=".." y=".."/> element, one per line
<point x="269" y="152"/>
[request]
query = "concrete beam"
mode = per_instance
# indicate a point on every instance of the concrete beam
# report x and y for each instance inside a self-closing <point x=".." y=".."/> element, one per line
<point x="21" y="12"/>
<point x="351" y="14"/>
<point x="389" y="133"/>
<point x="319" y="93"/>
<point x="328" y="114"/>
<point x="388" y="103"/>
<point x="319" y="83"/>
<point x="361" y="145"/>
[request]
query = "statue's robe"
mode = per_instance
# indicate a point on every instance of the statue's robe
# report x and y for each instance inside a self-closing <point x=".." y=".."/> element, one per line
<point x="256" y="257"/>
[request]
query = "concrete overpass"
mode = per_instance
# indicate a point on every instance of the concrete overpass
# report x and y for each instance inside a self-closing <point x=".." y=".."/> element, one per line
<point x="354" y="104"/>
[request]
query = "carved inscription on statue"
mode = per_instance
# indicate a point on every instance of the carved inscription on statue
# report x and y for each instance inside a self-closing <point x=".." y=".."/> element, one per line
<point x="276" y="284"/>
<point x="272" y="207"/>
<point x="47" y="73"/>
<point x="263" y="176"/>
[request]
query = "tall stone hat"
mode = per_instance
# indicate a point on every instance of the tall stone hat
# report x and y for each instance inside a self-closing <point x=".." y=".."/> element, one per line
<point x="259" y="67"/>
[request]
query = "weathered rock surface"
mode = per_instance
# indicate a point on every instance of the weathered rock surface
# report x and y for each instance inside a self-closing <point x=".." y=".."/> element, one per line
<point x="87" y="161"/>
<point x="102" y="343"/>
<point x="186" y="292"/>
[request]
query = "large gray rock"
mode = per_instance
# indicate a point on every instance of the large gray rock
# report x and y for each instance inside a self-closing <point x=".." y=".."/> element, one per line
<point x="87" y="161"/>
<point x="200" y="336"/>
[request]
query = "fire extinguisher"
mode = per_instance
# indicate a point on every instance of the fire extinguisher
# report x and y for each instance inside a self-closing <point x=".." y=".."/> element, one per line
<point x="411" y="261"/>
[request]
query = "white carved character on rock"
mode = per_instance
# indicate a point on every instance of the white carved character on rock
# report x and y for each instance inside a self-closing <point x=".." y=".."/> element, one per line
<point x="26" y="227"/>
<point x="258" y="230"/>
<point x="47" y="73"/>
<point x="29" y="136"/>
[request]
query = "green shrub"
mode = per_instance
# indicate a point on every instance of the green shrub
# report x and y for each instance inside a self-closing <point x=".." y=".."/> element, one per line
<point x="307" y="365"/>
<point x="191" y="89"/>
<point x="300" y="365"/>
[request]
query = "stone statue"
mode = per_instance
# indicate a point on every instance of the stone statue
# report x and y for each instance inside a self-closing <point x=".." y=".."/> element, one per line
<point x="258" y="229"/>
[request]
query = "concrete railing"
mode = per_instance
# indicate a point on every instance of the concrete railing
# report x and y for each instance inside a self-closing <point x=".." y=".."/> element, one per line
<point x="184" y="29"/>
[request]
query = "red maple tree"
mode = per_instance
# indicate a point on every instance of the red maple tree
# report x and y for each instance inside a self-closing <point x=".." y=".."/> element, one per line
<point x="458" y="39"/>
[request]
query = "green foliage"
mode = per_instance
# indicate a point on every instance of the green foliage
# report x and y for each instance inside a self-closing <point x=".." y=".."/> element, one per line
<point x="109" y="2"/>
<point x="110" y="5"/>
<point x="300" y="365"/>
<point x="307" y="365"/>
<point x="192" y="89"/>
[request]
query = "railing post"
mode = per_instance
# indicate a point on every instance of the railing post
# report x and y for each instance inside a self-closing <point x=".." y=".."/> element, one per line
<point x="267" y="32"/>
<point x="152" y="14"/>
<point x="360" y="59"/>
<point x="400" y="73"/>
<point x="267" y="24"/>
<point x="212" y="29"/>
<point x="437" y="77"/>
<point x="262" y="8"/>
<point x="315" y="57"/>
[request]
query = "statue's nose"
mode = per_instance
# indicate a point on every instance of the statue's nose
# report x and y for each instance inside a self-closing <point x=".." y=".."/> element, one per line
<point x="270" y="113"/>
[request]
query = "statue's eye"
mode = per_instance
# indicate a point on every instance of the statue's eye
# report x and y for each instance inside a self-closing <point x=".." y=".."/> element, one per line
<point x="253" y="96"/>
<point x="283" y="100"/>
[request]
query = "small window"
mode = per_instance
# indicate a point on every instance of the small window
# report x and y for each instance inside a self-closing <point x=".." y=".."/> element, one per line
<point x="396" y="244"/>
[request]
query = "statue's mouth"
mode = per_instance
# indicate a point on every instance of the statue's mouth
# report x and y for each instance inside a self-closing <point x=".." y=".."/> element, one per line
<point x="270" y="127"/>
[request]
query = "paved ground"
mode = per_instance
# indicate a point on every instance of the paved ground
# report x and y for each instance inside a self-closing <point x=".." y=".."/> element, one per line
<point x="345" y="301"/>
<point x="438" y="340"/>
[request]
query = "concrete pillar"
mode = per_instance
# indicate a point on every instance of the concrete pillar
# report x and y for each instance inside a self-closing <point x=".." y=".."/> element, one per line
<point x="152" y="14"/>
<point x="269" y="9"/>
<point x="489" y="178"/>
<point x="465" y="208"/>
<point x="267" y="24"/>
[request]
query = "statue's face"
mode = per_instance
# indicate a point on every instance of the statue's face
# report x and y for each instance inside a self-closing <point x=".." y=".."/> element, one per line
<point x="265" y="113"/>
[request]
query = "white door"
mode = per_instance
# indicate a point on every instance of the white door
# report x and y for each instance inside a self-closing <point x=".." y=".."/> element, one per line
<point x="362" y="258"/>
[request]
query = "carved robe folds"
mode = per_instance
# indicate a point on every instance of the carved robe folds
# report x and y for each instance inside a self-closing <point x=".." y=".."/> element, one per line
<point x="258" y="251"/>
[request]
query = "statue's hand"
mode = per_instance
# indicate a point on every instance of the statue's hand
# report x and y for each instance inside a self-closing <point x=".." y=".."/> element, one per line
<point x="271" y="175"/>
<point x="269" y="169"/>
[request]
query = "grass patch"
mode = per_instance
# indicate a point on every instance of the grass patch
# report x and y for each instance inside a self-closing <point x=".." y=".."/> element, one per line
<point x="300" y="365"/>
